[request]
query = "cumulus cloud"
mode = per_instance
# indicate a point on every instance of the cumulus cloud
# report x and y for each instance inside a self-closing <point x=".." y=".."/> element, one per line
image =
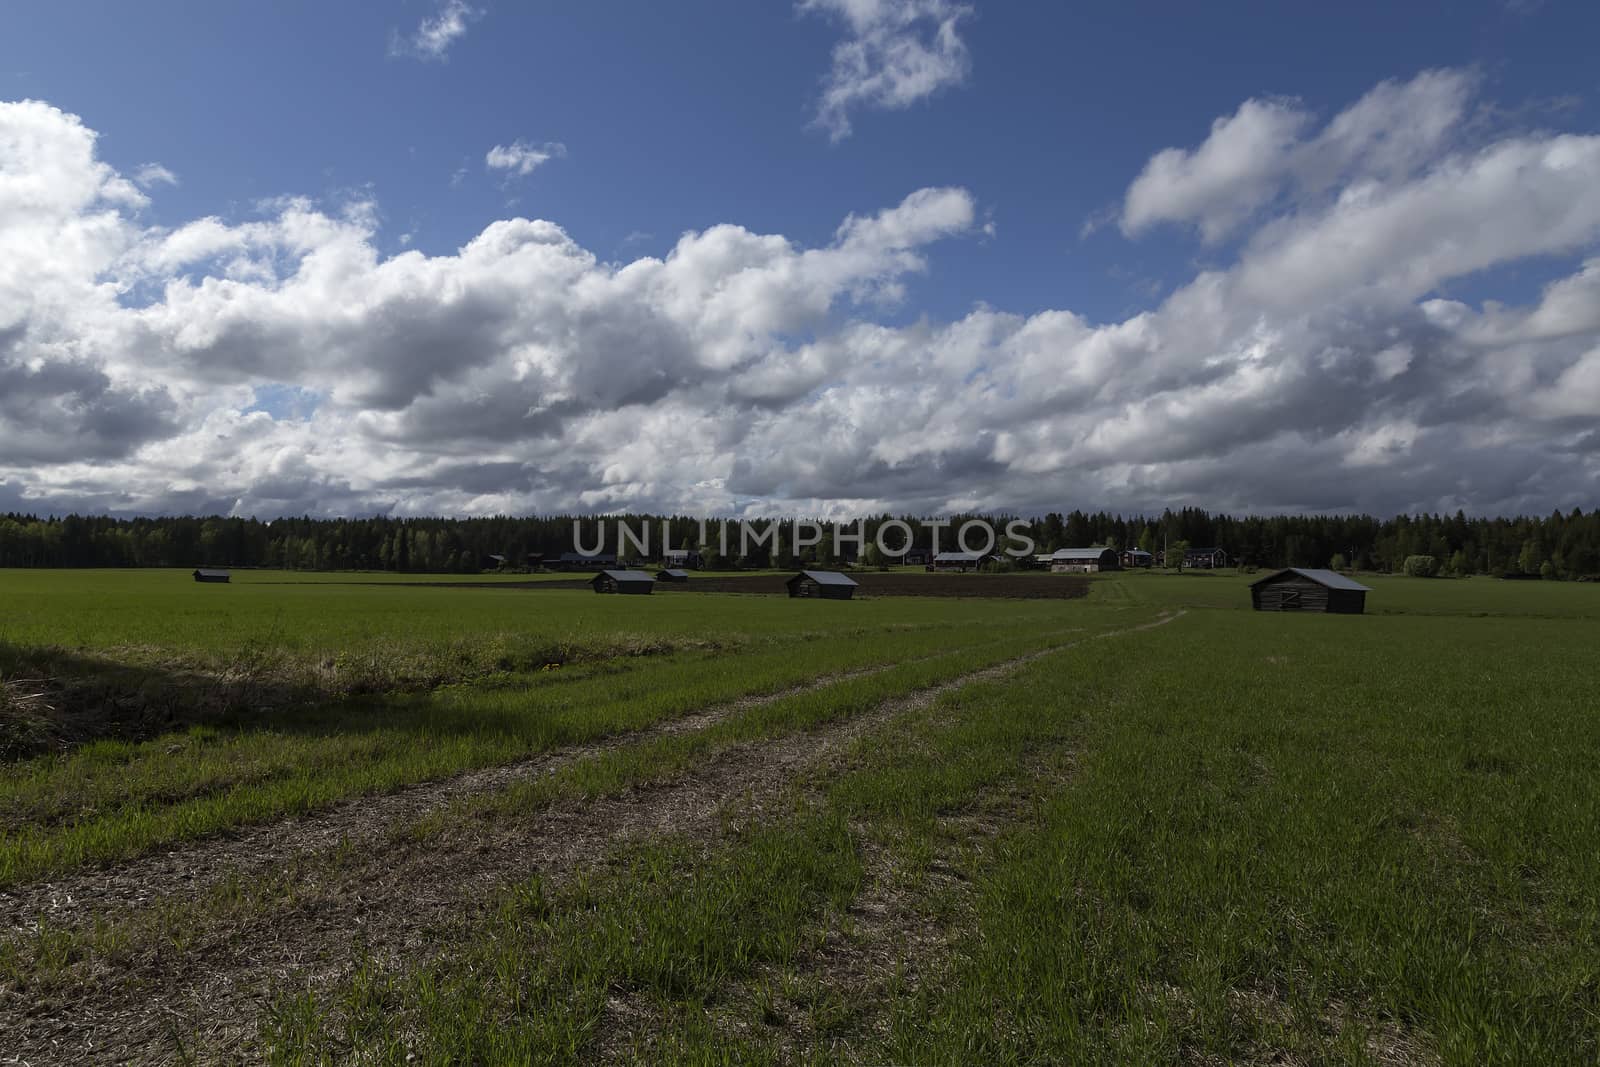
<point x="895" y="53"/>
<point x="437" y="32"/>
<point x="285" y="364"/>
<point x="521" y="159"/>
<point x="1262" y="153"/>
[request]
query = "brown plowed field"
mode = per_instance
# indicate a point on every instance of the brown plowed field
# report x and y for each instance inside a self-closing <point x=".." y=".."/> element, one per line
<point x="1023" y="586"/>
<point x="1012" y="586"/>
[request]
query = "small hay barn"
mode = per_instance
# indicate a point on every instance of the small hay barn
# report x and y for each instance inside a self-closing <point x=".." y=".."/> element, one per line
<point x="672" y="574"/>
<point x="204" y="575"/>
<point x="638" y="583"/>
<point x="1302" y="589"/>
<point x="828" y="585"/>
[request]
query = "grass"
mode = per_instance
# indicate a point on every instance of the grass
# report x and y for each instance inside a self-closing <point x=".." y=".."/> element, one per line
<point x="1235" y="838"/>
<point x="533" y="986"/>
<point x="133" y="654"/>
<point x="660" y="759"/>
<point x="1350" y="855"/>
<point x="162" y="617"/>
<point x="111" y="800"/>
<point x="1375" y="854"/>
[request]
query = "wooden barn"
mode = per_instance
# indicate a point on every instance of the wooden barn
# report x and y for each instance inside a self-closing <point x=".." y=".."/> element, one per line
<point x="829" y="585"/>
<point x="672" y="574"/>
<point x="203" y="575"/>
<point x="1085" y="560"/>
<point x="636" y="582"/>
<point x="1302" y="589"/>
<point x="959" y="561"/>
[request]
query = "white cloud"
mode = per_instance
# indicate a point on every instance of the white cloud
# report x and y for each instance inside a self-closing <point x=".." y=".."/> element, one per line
<point x="1260" y="153"/>
<point x="1316" y="367"/>
<point x="436" y="33"/>
<point x="154" y="174"/>
<point x="522" y="159"/>
<point x="896" y="53"/>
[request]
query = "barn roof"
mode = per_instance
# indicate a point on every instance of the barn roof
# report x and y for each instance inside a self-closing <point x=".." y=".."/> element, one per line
<point x="625" y="576"/>
<point x="959" y="557"/>
<point x="674" y="572"/>
<point x="1081" y="553"/>
<point x="206" y="572"/>
<point x="826" y="577"/>
<point x="1331" y="579"/>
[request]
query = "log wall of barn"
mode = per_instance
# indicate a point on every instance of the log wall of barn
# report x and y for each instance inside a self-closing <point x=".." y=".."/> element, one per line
<point x="1275" y="597"/>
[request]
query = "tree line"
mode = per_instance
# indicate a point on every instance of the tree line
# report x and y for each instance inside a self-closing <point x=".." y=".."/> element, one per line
<point x="1557" y="546"/>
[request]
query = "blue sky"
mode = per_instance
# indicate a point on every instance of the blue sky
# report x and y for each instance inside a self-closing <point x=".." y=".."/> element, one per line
<point x="662" y="119"/>
<point x="679" y="116"/>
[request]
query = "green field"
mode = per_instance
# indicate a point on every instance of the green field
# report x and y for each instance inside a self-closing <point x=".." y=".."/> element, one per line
<point x="315" y="819"/>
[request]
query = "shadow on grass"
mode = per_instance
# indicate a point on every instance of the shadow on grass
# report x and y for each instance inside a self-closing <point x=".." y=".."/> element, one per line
<point x="54" y="699"/>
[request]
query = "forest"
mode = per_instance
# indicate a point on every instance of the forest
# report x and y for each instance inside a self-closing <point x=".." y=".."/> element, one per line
<point x="1557" y="546"/>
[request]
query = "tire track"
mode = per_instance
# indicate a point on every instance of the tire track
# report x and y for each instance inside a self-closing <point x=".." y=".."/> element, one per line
<point x="193" y="866"/>
<point x="165" y="999"/>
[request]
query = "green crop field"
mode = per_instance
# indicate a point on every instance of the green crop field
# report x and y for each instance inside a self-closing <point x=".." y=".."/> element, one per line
<point x="347" y="818"/>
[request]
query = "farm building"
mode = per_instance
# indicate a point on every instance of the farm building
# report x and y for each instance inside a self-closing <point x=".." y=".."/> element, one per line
<point x="672" y="574"/>
<point x="1301" y="589"/>
<point x="637" y="582"/>
<point x="683" y="557"/>
<point x="203" y="575"/>
<point x="830" y="585"/>
<point x="1084" y="560"/>
<point x="958" y="561"/>
<point x="1136" y="557"/>
<point x="1205" y="558"/>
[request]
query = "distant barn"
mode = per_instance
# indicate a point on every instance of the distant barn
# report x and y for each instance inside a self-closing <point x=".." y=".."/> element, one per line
<point x="203" y="575"/>
<point x="829" y="585"/>
<point x="1085" y="560"/>
<point x="958" y="561"/>
<point x="636" y="582"/>
<point x="672" y="574"/>
<point x="1303" y="589"/>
